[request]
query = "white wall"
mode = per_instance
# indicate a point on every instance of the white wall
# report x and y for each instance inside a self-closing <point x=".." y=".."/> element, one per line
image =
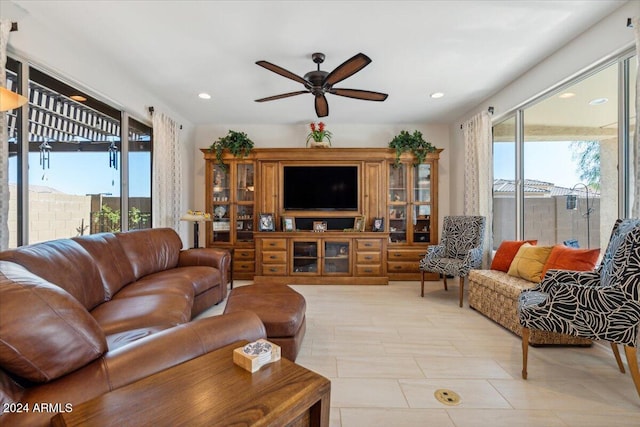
<point x="604" y="39"/>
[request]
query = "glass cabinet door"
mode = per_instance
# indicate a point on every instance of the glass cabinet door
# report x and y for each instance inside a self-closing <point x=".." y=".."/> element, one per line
<point x="397" y="204"/>
<point x="422" y="203"/>
<point x="337" y="255"/>
<point x="305" y="257"/>
<point x="245" y="192"/>
<point x="221" y="207"/>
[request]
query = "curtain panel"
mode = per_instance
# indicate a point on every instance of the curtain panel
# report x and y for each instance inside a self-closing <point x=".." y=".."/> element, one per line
<point x="167" y="172"/>
<point x="5" y="29"/>
<point x="478" y="175"/>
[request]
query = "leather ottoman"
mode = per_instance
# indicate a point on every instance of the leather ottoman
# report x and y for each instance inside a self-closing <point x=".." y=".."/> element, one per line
<point x="281" y="309"/>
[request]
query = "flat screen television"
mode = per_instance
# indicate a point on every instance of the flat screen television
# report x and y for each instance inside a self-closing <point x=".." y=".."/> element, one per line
<point x="320" y="188"/>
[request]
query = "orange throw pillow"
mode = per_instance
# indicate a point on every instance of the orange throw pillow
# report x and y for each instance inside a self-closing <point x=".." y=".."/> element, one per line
<point x="566" y="258"/>
<point x="506" y="252"/>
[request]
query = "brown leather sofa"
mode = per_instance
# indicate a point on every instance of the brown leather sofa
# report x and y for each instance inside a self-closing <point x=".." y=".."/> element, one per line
<point x="81" y="317"/>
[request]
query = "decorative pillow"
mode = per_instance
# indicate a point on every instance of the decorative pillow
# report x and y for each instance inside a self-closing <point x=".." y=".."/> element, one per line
<point x="506" y="252"/>
<point x="529" y="262"/>
<point x="45" y="332"/>
<point x="566" y="258"/>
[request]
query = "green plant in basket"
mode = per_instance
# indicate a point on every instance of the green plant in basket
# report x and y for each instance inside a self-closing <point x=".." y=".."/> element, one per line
<point x="238" y="144"/>
<point x="411" y="142"/>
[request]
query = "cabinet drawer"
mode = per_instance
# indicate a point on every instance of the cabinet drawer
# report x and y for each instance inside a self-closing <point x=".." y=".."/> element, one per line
<point x="369" y="270"/>
<point x="273" y="257"/>
<point x="412" y="255"/>
<point x="403" y="267"/>
<point x="244" y="266"/>
<point x="274" y="244"/>
<point x="368" y="257"/>
<point x="368" y="244"/>
<point x="274" y="270"/>
<point x="244" y="254"/>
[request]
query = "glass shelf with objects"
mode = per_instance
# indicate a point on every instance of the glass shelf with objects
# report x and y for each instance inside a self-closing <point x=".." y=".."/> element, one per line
<point x="245" y="197"/>
<point x="336" y="257"/>
<point x="305" y="257"/>
<point x="397" y="223"/>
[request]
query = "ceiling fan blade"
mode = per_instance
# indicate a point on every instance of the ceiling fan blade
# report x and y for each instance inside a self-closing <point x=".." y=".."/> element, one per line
<point x="347" y="69"/>
<point x="284" y="95"/>
<point x="279" y="70"/>
<point x="367" y="95"/>
<point x="322" y="106"/>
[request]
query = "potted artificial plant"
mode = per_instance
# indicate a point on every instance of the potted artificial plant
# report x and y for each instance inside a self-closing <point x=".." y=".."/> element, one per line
<point x="238" y="144"/>
<point x="411" y="142"/>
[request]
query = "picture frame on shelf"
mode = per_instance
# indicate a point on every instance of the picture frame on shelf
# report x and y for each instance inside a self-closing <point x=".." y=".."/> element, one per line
<point x="266" y="222"/>
<point x="288" y="223"/>
<point x="378" y="224"/>
<point x="319" y="226"/>
<point x="239" y="225"/>
<point x="359" y="223"/>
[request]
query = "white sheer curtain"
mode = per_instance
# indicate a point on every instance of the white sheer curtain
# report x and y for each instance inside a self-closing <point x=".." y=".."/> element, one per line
<point x="167" y="172"/>
<point x="5" y="28"/>
<point x="478" y="175"/>
<point x="635" y="149"/>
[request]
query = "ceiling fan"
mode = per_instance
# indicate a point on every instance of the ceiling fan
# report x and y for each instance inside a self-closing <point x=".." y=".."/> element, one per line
<point x="320" y="82"/>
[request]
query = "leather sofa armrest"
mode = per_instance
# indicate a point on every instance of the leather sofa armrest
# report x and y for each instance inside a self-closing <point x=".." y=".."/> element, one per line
<point x="212" y="257"/>
<point x="179" y="344"/>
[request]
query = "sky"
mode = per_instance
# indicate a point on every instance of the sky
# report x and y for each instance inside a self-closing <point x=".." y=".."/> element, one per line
<point x="82" y="173"/>
<point x="543" y="161"/>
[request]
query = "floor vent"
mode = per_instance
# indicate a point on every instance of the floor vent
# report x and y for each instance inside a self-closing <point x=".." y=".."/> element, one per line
<point x="447" y="397"/>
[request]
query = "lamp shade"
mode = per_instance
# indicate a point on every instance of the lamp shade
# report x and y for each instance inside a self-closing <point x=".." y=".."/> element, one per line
<point x="572" y="202"/>
<point x="10" y="100"/>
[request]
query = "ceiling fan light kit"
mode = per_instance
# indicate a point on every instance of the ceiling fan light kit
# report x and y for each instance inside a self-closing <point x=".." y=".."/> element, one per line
<point x="319" y="82"/>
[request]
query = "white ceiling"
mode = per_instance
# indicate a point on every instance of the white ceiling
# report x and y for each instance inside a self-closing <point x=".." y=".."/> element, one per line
<point x="177" y="49"/>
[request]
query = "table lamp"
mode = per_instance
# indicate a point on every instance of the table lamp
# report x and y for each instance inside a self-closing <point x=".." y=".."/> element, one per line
<point x="196" y="217"/>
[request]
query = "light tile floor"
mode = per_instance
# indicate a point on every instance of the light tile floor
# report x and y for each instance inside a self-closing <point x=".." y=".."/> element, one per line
<point x="386" y="351"/>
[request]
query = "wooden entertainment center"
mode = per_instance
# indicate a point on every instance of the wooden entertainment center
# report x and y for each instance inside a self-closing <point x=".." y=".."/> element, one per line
<point x="246" y="199"/>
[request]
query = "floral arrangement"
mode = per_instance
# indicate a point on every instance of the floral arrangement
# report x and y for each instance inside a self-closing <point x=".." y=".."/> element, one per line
<point x="319" y="133"/>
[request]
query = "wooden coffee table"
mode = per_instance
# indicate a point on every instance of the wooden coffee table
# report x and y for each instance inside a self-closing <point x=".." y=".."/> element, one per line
<point x="212" y="391"/>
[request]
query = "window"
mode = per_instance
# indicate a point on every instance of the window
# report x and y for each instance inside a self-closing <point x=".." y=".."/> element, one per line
<point x="565" y="185"/>
<point x="73" y="183"/>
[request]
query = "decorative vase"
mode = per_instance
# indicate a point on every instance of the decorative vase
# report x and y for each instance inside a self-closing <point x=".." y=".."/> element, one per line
<point x="319" y="144"/>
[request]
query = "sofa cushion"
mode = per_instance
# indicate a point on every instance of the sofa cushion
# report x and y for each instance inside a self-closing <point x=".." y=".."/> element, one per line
<point x="506" y="252"/>
<point x="111" y="260"/>
<point x="64" y="263"/>
<point x="191" y="281"/>
<point x="529" y="262"/>
<point x="566" y="258"/>
<point x="122" y="314"/>
<point x="61" y="335"/>
<point x="151" y="250"/>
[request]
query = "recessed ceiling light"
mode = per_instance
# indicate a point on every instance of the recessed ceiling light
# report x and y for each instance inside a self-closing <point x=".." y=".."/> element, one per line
<point x="78" y="98"/>
<point x="598" y="101"/>
<point x="566" y="95"/>
<point x="436" y="95"/>
<point x="204" y="95"/>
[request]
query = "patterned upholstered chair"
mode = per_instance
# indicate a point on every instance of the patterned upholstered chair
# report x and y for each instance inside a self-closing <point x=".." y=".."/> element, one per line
<point x="599" y="305"/>
<point x="459" y="251"/>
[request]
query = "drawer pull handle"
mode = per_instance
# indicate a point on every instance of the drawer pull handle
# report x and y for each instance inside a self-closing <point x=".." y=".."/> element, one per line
<point x="273" y="257"/>
<point x="272" y="244"/>
<point x="273" y="270"/>
<point x="368" y="245"/>
<point x="368" y="270"/>
<point x="368" y="257"/>
<point x="397" y="255"/>
<point x="397" y="267"/>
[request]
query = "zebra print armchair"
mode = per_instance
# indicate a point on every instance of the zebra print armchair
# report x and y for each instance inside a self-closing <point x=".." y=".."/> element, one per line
<point x="598" y="305"/>
<point x="459" y="251"/>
